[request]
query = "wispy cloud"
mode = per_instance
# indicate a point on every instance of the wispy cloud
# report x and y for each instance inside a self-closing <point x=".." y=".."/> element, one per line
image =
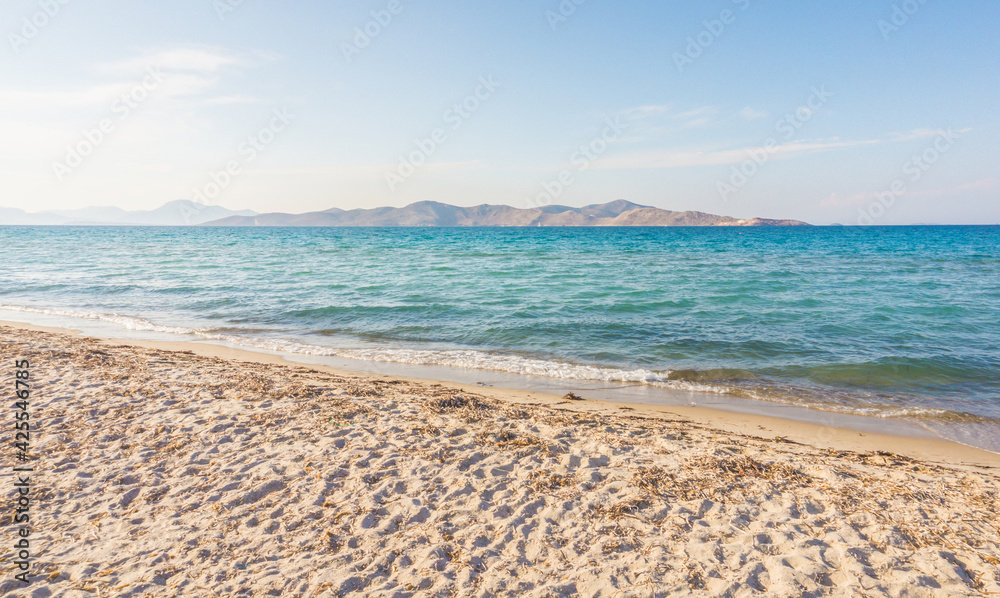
<point x="665" y="113"/>
<point x="696" y="113"/>
<point x="185" y="71"/>
<point x="366" y="168"/>
<point x="919" y="134"/>
<point x="835" y="200"/>
<point x="681" y="159"/>
<point x="230" y="100"/>
<point x="197" y="59"/>
<point x="749" y="113"/>
<point x="987" y="184"/>
<point x="18" y="99"/>
<point x="654" y="121"/>
<point x="716" y="157"/>
<point x="641" y="112"/>
<point x="701" y="117"/>
<point x="189" y="70"/>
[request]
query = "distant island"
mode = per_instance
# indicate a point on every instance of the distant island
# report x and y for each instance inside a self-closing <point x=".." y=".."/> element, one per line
<point x="431" y="213"/>
<point x="421" y="214"/>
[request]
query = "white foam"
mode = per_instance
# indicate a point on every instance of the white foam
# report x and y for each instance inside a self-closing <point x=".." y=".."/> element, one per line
<point x="466" y="359"/>
<point x="127" y="322"/>
<point x="482" y="360"/>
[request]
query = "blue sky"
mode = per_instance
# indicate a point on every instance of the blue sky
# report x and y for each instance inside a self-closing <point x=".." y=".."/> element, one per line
<point x="855" y="112"/>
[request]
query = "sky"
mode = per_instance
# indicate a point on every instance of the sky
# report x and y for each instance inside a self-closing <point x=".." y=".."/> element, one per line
<point x="853" y="112"/>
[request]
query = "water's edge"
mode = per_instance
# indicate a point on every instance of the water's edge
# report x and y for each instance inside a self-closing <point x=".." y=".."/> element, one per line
<point x="624" y="392"/>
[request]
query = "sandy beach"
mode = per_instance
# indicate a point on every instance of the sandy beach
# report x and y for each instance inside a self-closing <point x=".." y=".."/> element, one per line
<point x="198" y="471"/>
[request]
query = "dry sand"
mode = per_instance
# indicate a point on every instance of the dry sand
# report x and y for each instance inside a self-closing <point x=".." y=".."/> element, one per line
<point x="165" y="473"/>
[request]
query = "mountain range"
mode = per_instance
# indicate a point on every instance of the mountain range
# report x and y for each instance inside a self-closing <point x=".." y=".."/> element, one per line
<point x="425" y="213"/>
<point x="431" y="213"/>
<point x="175" y="213"/>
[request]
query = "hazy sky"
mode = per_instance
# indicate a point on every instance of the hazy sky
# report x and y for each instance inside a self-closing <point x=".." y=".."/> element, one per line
<point x="857" y="110"/>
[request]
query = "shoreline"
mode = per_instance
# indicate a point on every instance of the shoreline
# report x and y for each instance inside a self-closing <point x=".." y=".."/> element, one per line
<point x="926" y="447"/>
<point x="174" y="469"/>
<point x="951" y="426"/>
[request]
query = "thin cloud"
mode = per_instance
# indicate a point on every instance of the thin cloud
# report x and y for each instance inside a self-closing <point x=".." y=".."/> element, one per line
<point x="666" y="113"/>
<point x="20" y="100"/>
<point x="659" y="159"/>
<point x="723" y="157"/>
<point x="987" y="184"/>
<point x="205" y="60"/>
<point x="697" y="113"/>
<point x="921" y="133"/>
<point x="698" y="117"/>
<point x="980" y="185"/>
<point x="641" y="112"/>
<point x="367" y="168"/>
<point x="230" y="100"/>
<point x="835" y="200"/>
<point x="749" y="113"/>
<point x="653" y="121"/>
<point x="186" y="71"/>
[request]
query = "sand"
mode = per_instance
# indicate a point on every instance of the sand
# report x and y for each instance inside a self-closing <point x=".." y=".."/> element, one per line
<point x="173" y="473"/>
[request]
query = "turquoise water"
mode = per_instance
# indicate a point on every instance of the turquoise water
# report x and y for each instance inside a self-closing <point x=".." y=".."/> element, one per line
<point x="900" y="322"/>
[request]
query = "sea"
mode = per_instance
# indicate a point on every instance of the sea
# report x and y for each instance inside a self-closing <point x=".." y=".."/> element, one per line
<point x="896" y="325"/>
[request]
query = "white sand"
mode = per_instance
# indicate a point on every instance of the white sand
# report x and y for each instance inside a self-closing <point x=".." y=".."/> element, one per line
<point x="171" y="474"/>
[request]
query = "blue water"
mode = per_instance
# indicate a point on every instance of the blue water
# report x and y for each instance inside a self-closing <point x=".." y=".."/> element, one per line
<point x="900" y="322"/>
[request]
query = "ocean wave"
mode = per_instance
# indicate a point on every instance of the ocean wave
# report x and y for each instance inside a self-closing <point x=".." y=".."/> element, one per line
<point x="458" y="358"/>
<point x="736" y="383"/>
<point x="127" y="322"/>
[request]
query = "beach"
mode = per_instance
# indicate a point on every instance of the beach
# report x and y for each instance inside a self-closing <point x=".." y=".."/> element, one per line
<point x="171" y="469"/>
<point x="500" y="300"/>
